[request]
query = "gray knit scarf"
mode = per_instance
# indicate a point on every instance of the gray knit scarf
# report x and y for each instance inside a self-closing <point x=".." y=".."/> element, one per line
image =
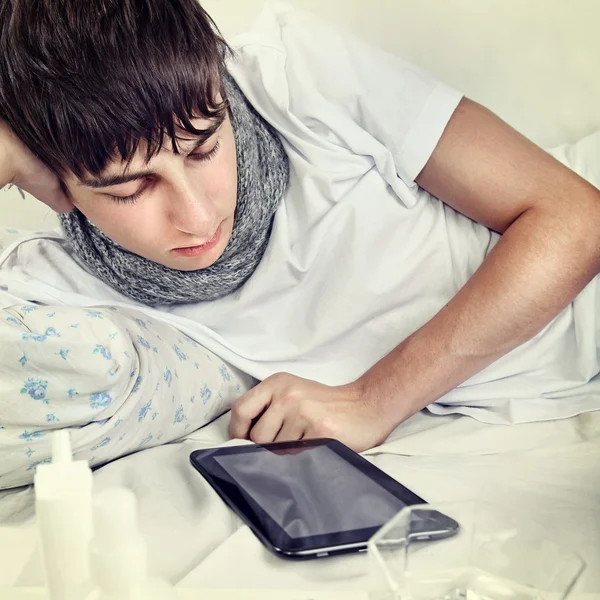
<point x="263" y="174"/>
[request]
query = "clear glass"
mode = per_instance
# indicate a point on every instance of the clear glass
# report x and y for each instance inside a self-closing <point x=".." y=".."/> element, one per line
<point x="492" y="555"/>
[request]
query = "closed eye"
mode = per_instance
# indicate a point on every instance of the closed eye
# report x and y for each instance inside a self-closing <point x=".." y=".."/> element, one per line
<point x="206" y="156"/>
<point x="132" y="198"/>
<point x="198" y="156"/>
<point x="127" y="199"/>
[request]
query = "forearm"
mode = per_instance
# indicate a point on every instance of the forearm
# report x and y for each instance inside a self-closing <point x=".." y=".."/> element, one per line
<point x="545" y="258"/>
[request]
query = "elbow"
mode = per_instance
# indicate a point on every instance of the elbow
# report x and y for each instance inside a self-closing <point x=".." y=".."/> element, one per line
<point x="571" y="219"/>
<point x="586" y="224"/>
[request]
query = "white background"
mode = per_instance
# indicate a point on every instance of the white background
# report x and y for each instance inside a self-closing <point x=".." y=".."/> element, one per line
<point x="534" y="62"/>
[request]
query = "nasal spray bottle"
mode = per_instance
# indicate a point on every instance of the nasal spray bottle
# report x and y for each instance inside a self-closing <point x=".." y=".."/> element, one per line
<point x="63" y="506"/>
<point x="91" y="550"/>
<point x="118" y="552"/>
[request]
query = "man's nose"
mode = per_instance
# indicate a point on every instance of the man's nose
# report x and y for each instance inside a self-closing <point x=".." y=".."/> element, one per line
<point x="190" y="210"/>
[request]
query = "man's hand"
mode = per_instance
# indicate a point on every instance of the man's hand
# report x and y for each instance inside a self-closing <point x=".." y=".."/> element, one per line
<point x="19" y="166"/>
<point x="285" y="407"/>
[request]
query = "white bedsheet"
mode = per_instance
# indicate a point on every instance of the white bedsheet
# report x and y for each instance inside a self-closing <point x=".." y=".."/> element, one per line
<point x="195" y="540"/>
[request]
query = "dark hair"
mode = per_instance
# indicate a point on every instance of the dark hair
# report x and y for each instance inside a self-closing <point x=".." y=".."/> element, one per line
<point x="83" y="79"/>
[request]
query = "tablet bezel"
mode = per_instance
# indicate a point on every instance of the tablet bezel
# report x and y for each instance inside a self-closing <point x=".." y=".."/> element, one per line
<point x="266" y="528"/>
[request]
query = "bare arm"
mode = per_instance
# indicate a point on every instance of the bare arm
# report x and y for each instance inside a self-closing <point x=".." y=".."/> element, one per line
<point x="549" y="251"/>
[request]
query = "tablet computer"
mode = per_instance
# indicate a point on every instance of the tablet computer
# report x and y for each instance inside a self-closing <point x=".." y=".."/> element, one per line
<point x="311" y="498"/>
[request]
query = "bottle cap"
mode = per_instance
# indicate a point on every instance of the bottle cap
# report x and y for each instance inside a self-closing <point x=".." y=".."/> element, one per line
<point x="61" y="447"/>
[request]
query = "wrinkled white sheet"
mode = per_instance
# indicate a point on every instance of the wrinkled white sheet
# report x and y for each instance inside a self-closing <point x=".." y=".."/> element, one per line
<point x="550" y="470"/>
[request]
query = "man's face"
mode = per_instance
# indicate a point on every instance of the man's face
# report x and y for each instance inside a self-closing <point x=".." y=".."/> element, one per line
<point x="176" y="209"/>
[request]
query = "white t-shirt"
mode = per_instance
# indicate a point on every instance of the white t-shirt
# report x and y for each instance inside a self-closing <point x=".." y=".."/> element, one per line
<point x="359" y="256"/>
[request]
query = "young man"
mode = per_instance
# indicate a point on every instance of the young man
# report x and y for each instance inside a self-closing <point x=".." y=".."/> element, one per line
<point x="330" y="226"/>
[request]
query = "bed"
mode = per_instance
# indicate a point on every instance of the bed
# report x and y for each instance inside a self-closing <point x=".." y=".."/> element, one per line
<point x="548" y="471"/>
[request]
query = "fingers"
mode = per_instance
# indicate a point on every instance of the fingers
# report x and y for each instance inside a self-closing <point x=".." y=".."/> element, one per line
<point x="291" y="431"/>
<point x="268" y="426"/>
<point x="271" y="411"/>
<point x="46" y="188"/>
<point x="58" y="202"/>
<point x="247" y="408"/>
<point x="20" y="166"/>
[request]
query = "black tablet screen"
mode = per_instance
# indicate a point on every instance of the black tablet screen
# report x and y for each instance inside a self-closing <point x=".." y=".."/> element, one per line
<point x="311" y="491"/>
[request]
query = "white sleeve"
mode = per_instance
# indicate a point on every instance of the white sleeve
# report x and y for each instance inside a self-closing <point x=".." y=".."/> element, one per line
<point x="327" y="72"/>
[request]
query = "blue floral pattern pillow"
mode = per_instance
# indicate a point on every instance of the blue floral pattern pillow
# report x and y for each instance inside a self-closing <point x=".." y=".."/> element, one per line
<point x="118" y="380"/>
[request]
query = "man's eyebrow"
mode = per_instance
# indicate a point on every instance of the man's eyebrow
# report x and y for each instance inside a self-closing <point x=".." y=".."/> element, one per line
<point x="103" y="181"/>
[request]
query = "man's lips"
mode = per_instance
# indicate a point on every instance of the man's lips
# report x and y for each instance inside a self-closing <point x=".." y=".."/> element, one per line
<point x="190" y="251"/>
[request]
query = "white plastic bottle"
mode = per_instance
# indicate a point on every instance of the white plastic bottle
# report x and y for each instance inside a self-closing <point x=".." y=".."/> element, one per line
<point x="63" y="506"/>
<point x="118" y="552"/>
